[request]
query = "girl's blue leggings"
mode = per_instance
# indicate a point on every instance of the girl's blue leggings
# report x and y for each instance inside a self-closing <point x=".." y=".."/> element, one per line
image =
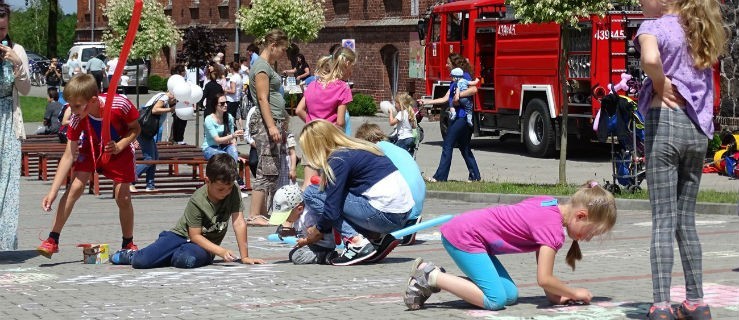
<point x="488" y="274"/>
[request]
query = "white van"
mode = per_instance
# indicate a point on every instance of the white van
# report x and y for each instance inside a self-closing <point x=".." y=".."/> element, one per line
<point x="87" y="50"/>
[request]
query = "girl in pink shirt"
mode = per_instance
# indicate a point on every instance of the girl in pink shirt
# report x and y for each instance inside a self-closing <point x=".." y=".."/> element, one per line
<point x="538" y="224"/>
<point x="327" y="97"/>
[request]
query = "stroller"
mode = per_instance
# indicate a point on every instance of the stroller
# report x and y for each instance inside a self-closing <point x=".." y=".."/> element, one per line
<point x="620" y="121"/>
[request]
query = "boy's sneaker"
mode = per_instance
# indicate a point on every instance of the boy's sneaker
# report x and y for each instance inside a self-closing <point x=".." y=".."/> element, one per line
<point x="48" y="247"/>
<point x="355" y="253"/>
<point x="122" y="256"/>
<point x="383" y="246"/>
<point x="130" y="246"/>
<point x="411" y="238"/>
<point x="701" y="312"/>
<point x="452" y="114"/>
<point x="660" y="313"/>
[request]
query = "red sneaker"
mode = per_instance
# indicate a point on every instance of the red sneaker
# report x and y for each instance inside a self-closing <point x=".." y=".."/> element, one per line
<point x="131" y="246"/>
<point x="48" y="247"/>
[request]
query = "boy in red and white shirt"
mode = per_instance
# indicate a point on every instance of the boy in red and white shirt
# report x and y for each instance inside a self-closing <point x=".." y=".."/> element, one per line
<point x="84" y="153"/>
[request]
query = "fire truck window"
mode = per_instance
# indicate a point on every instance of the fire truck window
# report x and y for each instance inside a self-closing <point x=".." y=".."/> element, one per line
<point x="454" y="27"/>
<point x="436" y="29"/>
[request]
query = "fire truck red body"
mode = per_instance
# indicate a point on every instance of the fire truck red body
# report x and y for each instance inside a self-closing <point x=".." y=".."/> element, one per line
<point x="518" y="65"/>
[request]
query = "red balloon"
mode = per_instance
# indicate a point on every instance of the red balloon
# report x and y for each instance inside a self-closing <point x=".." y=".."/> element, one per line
<point x="315" y="180"/>
<point x="113" y="87"/>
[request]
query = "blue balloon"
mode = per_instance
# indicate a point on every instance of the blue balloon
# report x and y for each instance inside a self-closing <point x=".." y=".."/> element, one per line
<point x="347" y="124"/>
<point x="411" y="173"/>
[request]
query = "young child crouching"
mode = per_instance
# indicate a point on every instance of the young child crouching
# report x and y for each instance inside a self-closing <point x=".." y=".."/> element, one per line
<point x="195" y="239"/>
<point x="289" y="209"/>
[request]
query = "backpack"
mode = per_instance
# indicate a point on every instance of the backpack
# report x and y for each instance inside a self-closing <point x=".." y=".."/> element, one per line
<point x="62" y="133"/>
<point x="149" y="122"/>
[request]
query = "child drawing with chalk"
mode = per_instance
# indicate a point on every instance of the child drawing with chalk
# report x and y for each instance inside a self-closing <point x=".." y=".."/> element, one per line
<point x="538" y="224"/>
<point x="195" y="239"/>
<point x="293" y="219"/>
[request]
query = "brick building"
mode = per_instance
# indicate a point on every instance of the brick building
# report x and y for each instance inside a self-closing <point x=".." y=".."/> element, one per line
<point x="384" y="31"/>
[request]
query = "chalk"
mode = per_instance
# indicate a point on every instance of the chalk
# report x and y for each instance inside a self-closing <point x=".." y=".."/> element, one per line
<point x="420" y="226"/>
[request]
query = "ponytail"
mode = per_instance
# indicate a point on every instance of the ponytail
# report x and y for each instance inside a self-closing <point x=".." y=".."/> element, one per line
<point x="574" y="254"/>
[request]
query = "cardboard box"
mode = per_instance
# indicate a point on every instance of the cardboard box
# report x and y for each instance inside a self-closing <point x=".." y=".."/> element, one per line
<point x="95" y="253"/>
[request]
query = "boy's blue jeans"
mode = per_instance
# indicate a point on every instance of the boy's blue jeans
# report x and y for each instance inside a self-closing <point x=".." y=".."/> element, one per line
<point x="358" y="216"/>
<point x="171" y="249"/>
<point x="407" y="144"/>
<point x="488" y="274"/>
<point x="210" y="151"/>
<point x="150" y="152"/>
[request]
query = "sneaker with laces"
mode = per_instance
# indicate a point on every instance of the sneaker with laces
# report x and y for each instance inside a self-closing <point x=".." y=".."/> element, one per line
<point x="660" y="314"/>
<point x="122" y="257"/>
<point x="419" y="289"/>
<point x="383" y="246"/>
<point x="48" y="247"/>
<point x="701" y="312"/>
<point x="355" y="253"/>
<point x="130" y="246"/>
<point x="429" y="179"/>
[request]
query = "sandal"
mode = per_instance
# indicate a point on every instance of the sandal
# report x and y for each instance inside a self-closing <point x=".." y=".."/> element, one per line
<point x="418" y="289"/>
<point x="257" y="221"/>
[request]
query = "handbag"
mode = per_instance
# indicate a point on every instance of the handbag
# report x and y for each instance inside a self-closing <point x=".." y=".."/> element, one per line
<point x="149" y="122"/>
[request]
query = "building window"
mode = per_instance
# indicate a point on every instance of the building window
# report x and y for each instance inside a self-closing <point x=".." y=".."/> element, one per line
<point x="341" y="8"/>
<point x="393" y="7"/>
<point x="391" y="59"/>
<point x="194" y="13"/>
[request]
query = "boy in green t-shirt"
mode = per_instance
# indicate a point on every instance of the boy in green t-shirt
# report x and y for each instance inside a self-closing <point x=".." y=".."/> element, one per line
<point x="195" y="239"/>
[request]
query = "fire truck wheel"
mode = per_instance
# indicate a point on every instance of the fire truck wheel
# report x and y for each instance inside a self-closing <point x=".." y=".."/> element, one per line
<point x="538" y="129"/>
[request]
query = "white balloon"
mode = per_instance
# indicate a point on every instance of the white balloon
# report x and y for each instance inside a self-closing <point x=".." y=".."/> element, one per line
<point x="184" y="110"/>
<point x="386" y="106"/>
<point x="182" y="92"/>
<point x="196" y="93"/>
<point x="174" y="81"/>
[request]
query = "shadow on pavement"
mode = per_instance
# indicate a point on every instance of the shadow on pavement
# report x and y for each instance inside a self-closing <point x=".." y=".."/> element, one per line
<point x="47" y="265"/>
<point x="636" y="310"/>
<point x="390" y="260"/>
<point x="18" y="256"/>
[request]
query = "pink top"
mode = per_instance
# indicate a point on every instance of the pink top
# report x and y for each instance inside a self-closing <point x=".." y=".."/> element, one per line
<point x="517" y="228"/>
<point x="323" y="103"/>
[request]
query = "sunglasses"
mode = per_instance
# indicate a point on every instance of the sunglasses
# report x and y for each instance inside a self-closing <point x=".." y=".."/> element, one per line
<point x="222" y="103"/>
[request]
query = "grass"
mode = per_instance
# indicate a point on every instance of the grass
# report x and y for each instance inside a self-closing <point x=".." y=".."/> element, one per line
<point x="559" y="190"/>
<point x="33" y="108"/>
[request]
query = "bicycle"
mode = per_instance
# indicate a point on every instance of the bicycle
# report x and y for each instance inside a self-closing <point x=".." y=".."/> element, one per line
<point x="38" y="76"/>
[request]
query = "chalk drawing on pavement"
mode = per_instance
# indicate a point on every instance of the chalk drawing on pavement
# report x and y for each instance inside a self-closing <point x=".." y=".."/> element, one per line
<point x="598" y="310"/>
<point x="23" y="277"/>
<point x="715" y="295"/>
<point x="697" y="223"/>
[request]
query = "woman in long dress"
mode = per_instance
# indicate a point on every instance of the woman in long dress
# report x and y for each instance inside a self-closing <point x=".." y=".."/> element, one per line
<point x="13" y="81"/>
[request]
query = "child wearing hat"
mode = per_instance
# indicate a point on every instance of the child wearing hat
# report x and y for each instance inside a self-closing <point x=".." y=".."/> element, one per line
<point x="461" y="85"/>
<point x="288" y="209"/>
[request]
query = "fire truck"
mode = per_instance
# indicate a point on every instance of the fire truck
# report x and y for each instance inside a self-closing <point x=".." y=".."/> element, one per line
<point x="518" y="64"/>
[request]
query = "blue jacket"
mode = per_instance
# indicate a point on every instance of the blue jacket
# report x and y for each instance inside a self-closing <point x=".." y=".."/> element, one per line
<point x="355" y="171"/>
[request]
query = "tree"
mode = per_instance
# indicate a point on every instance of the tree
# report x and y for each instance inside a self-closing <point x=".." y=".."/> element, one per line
<point x="28" y="27"/>
<point x="52" y="23"/>
<point x="567" y="13"/>
<point x="199" y="45"/>
<point x="156" y="30"/>
<point x="300" y="19"/>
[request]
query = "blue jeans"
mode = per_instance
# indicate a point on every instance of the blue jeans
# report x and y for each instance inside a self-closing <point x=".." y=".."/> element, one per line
<point x="150" y="152"/>
<point x="406" y="144"/>
<point x="210" y="151"/>
<point x="488" y="274"/>
<point x="358" y="216"/>
<point x="171" y="249"/>
<point x="457" y="133"/>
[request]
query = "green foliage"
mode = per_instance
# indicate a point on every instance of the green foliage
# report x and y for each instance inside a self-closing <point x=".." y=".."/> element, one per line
<point x="33" y="108"/>
<point x="714" y="144"/>
<point x="156" y="30"/>
<point x="565" y="12"/>
<point x="28" y="27"/>
<point x="157" y="83"/>
<point x="362" y="105"/>
<point x="300" y="19"/>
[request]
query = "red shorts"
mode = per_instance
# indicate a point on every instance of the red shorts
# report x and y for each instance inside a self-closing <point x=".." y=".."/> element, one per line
<point x="121" y="168"/>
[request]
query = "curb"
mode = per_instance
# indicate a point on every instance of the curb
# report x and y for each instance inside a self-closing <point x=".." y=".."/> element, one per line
<point x="622" y="204"/>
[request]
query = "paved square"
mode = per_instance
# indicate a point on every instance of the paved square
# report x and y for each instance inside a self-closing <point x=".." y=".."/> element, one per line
<point x="615" y="269"/>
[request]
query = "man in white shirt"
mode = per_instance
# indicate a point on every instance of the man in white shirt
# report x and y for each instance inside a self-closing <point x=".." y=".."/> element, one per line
<point x="110" y="67"/>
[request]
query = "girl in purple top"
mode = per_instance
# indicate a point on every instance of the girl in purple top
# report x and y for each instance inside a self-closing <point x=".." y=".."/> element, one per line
<point x="538" y="224"/>
<point x="677" y="52"/>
